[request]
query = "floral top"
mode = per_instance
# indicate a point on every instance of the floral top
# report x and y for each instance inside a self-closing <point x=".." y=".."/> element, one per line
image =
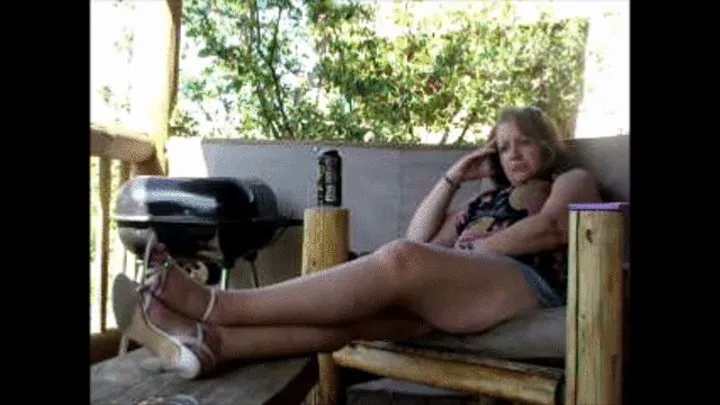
<point x="498" y="209"/>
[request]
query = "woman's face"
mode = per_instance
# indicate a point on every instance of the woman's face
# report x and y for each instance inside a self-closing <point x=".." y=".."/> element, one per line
<point x="520" y="157"/>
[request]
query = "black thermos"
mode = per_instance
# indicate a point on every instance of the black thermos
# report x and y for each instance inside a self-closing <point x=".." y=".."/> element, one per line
<point x="329" y="185"/>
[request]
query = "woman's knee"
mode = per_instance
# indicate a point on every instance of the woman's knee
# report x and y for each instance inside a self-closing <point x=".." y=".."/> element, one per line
<point x="397" y="258"/>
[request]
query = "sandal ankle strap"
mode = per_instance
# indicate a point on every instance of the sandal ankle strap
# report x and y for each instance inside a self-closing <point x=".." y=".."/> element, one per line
<point x="210" y="305"/>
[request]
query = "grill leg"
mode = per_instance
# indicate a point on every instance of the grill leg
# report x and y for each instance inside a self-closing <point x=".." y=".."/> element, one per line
<point x="123" y="345"/>
<point x="256" y="279"/>
<point x="225" y="278"/>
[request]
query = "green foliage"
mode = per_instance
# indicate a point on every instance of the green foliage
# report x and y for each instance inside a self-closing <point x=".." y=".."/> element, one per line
<point x="284" y="69"/>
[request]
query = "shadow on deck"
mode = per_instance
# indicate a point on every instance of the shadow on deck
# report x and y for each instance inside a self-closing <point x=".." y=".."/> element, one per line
<point x="125" y="380"/>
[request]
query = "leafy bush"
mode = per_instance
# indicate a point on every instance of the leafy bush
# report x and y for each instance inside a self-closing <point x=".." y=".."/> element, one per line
<point x="320" y="70"/>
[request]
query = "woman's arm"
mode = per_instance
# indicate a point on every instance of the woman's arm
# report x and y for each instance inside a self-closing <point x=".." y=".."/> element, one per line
<point x="432" y="222"/>
<point x="548" y="229"/>
<point x="431" y="214"/>
<point x="447" y="235"/>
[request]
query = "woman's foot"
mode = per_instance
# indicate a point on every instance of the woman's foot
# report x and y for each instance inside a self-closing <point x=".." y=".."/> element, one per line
<point x="172" y="285"/>
<point x="187" y="347"/>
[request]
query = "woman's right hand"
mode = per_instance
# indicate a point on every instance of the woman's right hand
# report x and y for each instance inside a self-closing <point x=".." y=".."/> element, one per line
<point x="474" y="165"/>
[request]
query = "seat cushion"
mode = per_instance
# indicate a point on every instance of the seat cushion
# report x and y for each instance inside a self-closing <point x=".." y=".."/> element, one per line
<point x="539" y="334"/>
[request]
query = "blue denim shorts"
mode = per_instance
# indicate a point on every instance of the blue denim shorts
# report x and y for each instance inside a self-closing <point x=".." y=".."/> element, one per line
<point x="546" y="294"/>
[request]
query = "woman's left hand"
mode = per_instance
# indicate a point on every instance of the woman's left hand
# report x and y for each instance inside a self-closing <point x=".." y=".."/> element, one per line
<point x="468" y="239"/>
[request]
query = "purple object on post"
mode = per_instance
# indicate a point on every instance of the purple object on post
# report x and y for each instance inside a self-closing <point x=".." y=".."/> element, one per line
<point x="608" y="206"/>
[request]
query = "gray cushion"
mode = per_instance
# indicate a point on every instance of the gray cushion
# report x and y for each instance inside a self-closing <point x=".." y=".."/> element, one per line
<point x="539" y="334"/>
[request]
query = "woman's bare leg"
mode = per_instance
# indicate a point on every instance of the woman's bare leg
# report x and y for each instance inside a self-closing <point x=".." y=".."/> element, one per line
<point x="259" y="342"/>
<point x="451" y="290"/>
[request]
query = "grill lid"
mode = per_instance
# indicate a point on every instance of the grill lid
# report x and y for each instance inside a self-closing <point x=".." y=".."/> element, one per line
<point x="201" y="201"/>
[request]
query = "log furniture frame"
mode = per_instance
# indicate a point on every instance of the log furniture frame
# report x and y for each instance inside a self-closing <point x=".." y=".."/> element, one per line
<point x="596" y="324"/>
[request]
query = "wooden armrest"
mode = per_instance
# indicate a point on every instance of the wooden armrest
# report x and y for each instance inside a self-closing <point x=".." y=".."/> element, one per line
<point x="595" y="303"/>
<point x="510" y="380"/>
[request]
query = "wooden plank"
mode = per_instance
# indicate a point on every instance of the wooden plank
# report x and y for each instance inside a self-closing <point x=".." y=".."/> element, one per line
<point x="115" y="142"/>
<point x="105" y="181"/>
<point x="123" y="257"/>
<point x="571" y="312"/>
<point x="386" y="391"/>
<point x="533" y="385"/>
<point x="124" y="380"/>
<point x="465" y="357"/>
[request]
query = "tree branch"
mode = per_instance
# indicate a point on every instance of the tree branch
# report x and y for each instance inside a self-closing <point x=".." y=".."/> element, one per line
<point x="265" y="106"/>
<point x="465" y="129"/>
<point x="279" y="96"/>
<point x="448" y="124"/>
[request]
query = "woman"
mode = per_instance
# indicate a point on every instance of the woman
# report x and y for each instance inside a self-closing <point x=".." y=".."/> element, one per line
<point x="502" y="253"/>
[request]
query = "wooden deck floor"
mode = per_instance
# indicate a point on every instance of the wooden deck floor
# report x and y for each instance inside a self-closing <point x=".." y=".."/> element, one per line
<point x="123" y="381"/>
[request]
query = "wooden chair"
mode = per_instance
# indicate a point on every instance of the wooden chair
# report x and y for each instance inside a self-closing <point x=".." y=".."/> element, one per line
<point x="570" y="355"/>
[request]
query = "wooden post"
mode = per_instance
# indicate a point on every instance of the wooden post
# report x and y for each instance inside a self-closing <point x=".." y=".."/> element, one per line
<point x="325" y="244"/>
<point x="105" y="183"/>
<point x="595" y="304"/>
<point x="164" y="95"/>
<point x="164" y="75"/>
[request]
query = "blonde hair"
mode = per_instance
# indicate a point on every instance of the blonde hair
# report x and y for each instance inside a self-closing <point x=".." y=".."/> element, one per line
<point x="535" y="124"/>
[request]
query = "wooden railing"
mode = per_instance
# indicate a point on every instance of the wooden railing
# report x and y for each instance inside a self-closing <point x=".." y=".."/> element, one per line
<point x="138" y="154"/>
<point x="117" y="143"/>
<point x="125" y="149"/>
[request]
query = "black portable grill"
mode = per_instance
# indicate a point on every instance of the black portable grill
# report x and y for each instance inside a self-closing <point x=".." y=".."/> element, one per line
<point x="213" y="220"/>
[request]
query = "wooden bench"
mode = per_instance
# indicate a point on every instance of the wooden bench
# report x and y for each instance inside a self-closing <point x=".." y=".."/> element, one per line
<point x="570" y="355"/>
<point x="128" y="380"/>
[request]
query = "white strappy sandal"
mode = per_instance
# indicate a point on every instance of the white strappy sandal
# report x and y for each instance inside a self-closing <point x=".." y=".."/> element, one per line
<point x="154" y="276"/>
<point x="188" y="356"/>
